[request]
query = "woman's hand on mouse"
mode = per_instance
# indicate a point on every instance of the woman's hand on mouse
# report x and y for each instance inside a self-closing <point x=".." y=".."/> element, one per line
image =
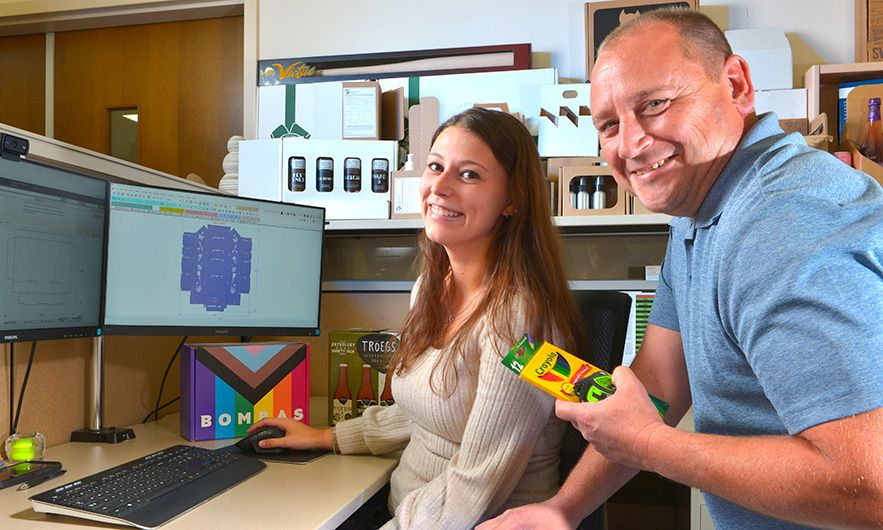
<point x="297" y="435"/>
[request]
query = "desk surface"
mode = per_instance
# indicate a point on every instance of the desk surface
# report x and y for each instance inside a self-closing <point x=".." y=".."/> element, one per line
<point x="321" y="494"/>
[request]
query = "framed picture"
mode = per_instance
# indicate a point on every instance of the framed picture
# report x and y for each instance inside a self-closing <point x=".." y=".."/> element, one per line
<point x="394" y="64"/>
<point x="603" y="17"/>
<point x="868" y="30"/>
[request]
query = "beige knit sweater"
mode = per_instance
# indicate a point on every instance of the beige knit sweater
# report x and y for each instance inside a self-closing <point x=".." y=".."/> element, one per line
<point x="491" y="445"/>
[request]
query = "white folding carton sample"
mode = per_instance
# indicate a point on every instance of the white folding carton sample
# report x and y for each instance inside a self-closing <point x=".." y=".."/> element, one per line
<point x="565" y="122"/>
<point x="349" y="178"/>
<point x="787" y="104"/>
<point x="768" y="55"/>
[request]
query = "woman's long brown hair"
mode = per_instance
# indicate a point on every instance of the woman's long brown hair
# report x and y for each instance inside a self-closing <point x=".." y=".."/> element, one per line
<point x="524" y="261"/>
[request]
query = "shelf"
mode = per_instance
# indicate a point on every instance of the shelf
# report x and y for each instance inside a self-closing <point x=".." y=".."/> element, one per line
<point x="589" y="223"/>
<point x="403" y="286"/>
<point x="367" y="286"/>
<point x="822" y="82"/>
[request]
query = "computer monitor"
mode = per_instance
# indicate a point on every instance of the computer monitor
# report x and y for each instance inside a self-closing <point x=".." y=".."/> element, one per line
<point x="51" y="252"/>
<point x="189" y="263"/>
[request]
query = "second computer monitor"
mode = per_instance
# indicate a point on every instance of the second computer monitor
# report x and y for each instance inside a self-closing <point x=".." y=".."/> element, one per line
<point x="51" y="244"/>
<point x="181" y="262"/>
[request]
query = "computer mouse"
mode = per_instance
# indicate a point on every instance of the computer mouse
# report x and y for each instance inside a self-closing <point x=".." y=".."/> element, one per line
<point x="249" y="444"/>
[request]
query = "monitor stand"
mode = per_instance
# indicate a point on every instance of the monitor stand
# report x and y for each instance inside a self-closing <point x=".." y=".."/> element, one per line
<point x="97" y="433"/>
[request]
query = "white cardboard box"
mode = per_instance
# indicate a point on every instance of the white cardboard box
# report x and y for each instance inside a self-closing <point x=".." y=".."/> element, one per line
<point x="565" y="122"/>
<point x="405" y="195"/>
<point x="260" y="169"/>
<point x="288" y="170"/>
<point x="789" y="104"/>
<point x="318" y="108"/>
<point x="768" y="54"/>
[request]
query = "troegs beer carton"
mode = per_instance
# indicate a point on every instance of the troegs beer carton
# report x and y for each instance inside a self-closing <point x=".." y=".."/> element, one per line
<point x="357" y="376"/>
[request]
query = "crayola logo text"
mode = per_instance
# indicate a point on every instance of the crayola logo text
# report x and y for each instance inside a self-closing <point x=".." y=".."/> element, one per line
<point x="547" y="363"/>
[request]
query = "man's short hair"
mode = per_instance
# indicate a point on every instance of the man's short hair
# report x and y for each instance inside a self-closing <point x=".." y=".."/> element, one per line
<point x="701" y="39"/>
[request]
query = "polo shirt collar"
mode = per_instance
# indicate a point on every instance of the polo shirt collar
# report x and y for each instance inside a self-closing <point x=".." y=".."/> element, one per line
<point x="740" y="163"/>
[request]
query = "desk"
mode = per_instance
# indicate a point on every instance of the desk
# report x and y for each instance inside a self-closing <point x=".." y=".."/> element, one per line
<point x="321" y="494"/>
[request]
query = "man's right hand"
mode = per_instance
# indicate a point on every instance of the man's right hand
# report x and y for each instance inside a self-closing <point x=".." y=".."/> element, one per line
<point x="544" y="516"/>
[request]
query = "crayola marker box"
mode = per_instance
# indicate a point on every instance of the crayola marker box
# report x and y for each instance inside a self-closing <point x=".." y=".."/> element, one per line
<point x="561" y="374"/>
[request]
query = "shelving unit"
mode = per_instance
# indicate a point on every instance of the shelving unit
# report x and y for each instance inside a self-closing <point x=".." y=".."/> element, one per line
<point x="570" y="227"/>
<point x="822" y="81"/>
<point x="572" y="224"/>
<point x="404" y="286"/>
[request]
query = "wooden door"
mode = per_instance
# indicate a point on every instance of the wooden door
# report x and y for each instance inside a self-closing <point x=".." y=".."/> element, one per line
<point x="185" y="79"/>
<point x="23" y="82"/>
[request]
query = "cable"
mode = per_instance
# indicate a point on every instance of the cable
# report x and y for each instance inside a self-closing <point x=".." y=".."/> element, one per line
<point x="162" y="385"/>
<point x="24" y="384"/>
<point x="11" y="384"/>
<point x="164" y="405"/>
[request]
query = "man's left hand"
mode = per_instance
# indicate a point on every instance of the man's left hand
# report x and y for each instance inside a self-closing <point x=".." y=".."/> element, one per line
<point x="620" y="427"/>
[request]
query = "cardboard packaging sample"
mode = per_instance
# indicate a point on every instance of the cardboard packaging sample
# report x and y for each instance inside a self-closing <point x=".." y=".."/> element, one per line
<point x="636" y="206"/>
<point x="590" y="190"/>
<point x="369" y="114"/>
<point x="357" y="362"/>
<point x="225" y="388"/>
<point x="349" y="178"/>
<point x="855" y="127"/>
<point x="361" y="110"/>
<point x="603" y="17"/>
<point x="861" y="162"/>
<point x="857" y="113"/>
<point x="768" y="54"/>
<point x="406" y="194"/>
<point x="562" y="374"/>
<point x="565" y="122"/>
<point x="868" y="30"/>
<point x="788" y="104"/>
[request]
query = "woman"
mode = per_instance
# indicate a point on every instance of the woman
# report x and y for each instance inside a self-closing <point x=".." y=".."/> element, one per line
<point x="476" y="439"/>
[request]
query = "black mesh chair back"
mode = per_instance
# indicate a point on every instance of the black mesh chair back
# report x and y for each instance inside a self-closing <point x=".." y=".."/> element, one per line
<point x="606" y="318"/>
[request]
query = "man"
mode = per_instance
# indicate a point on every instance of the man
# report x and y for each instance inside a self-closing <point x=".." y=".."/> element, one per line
<point x="767" y="316"/>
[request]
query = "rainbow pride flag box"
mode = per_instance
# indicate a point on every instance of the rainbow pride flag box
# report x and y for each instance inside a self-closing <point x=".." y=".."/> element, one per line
<point x="225" y="388"/>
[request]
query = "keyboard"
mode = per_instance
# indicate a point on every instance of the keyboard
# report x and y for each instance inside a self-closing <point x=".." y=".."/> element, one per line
<point x="150" y="491"/>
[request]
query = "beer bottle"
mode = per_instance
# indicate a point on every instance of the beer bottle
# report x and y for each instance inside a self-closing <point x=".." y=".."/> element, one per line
<point x="343" y="400"/>
<point x="872" y="146"/>
<point x="386" y="398"/>
<point x="365" y="397"/>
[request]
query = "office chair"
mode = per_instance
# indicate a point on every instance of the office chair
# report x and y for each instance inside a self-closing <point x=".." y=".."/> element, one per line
<point x="606" y="317"/>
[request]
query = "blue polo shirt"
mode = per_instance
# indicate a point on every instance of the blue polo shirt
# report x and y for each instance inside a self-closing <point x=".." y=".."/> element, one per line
<point x="776" y="288"/>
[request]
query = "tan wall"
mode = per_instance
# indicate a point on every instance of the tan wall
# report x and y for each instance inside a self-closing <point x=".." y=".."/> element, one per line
<point x="55" y="401"/>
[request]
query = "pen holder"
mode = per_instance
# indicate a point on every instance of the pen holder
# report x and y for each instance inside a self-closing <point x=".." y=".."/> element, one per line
<point x="25" y="446"/>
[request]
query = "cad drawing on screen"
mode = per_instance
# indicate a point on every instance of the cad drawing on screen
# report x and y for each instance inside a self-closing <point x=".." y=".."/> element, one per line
<point x="215" y="266"/>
